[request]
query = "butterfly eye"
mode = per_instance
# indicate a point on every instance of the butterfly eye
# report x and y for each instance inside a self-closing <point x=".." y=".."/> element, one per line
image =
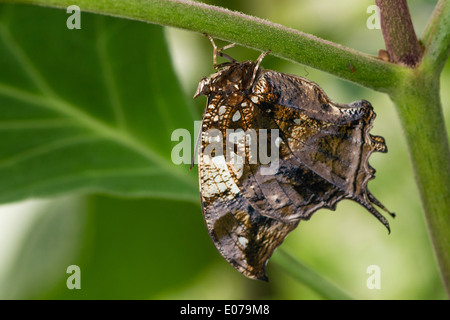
<point x="203" y="87"/>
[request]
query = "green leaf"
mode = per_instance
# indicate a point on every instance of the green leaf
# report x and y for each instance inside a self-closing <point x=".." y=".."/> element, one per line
<point x="47" y="249"/>
<point x="88" y="110"/>
<point x="108" y="133"/>
<point x="125" y="249"/>
<point x="92" y="111"/>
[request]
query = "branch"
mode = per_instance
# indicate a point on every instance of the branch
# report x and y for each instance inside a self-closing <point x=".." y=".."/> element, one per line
<point x="398" y="32"/>
<point x="420" y="112"/>
<point x="415" y="91"/>
<point x="248" y="31"/>
<point x="436" y="37"/>
<point x="305" y="275"/>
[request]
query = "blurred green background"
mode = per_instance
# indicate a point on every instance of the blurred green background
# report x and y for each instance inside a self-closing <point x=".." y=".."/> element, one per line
<point x="140" y="235"/>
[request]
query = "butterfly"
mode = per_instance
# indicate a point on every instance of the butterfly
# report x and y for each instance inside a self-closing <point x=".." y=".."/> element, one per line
<point x="273" y="150"/>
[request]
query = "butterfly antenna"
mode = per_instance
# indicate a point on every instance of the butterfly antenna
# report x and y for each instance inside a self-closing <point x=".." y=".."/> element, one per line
<point x="258" y="63"/>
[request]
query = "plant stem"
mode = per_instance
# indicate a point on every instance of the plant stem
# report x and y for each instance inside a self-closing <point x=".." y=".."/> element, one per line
<point x="436" y="38"/>
<point x="418" y="104"/>
<point x="248" y="31"/>
<point x="414" y="90"/>
<point x="419" y="108"/>
<point x="305" y="275"/>
<point x="398" y="32"/>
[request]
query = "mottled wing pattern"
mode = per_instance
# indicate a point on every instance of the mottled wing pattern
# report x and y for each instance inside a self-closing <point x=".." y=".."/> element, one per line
<point x="275" y="149"/>
<point x="245" y="238"/>
<point x="323" y="149"/>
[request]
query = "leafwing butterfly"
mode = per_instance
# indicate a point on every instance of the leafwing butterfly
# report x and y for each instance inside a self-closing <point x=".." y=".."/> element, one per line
<point x="273" y="150"/>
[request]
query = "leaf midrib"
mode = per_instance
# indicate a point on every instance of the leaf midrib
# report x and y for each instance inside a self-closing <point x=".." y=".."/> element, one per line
<point x="49" y="99"/>
<point x="110" y="173"/>
<point x="119" y="136"/>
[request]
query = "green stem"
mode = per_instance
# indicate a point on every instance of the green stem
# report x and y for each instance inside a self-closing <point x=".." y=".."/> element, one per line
<point x="305" y="275"/>
<point x="436" y="38"/>
<point x="419" y="108"/>
<point x="248" y="31"/>
<point x="420" y="111"/>
<point x="415" y="91"/>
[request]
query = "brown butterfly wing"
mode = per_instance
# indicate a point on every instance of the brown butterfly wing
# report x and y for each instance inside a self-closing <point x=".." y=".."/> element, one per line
<point x="245" y="238"/>
<point x="323" y="149"/>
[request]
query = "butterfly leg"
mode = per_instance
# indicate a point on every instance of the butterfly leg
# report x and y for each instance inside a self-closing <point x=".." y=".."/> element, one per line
<point x="218" y="51"/>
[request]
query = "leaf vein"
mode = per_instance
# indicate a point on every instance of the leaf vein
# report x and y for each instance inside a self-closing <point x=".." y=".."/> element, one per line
<point x="24" y="61"/>
<point x="22" y="124"/>
<point x="124" y="138"/>
<point x="110" y="83"/>
<point x="46" y="148"/>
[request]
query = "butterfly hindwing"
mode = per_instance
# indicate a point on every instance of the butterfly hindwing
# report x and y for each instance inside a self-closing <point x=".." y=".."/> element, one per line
<point x="245" y="238"/>
<point x="323" y="149"/>
<point x="275" y="149"/>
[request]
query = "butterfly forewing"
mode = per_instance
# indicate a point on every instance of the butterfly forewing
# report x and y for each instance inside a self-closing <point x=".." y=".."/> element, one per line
<point x="245" y="238"/>
<point x="275" y="149"/>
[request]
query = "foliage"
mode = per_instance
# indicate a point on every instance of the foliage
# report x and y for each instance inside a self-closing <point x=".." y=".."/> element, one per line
<point x="90" y="114"/>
